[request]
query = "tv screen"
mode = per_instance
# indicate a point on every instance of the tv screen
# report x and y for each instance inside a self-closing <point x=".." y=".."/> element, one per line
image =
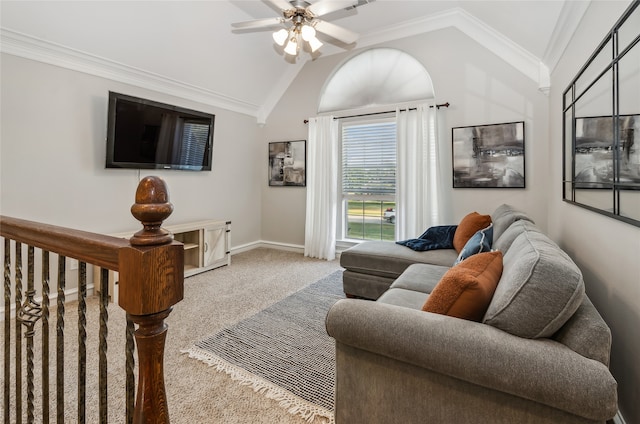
<point x="143" y="134"/>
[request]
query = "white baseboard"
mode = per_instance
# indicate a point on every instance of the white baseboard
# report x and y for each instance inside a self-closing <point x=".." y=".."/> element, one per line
<point x="296" y="248"/>
<point x="267" y="244"/>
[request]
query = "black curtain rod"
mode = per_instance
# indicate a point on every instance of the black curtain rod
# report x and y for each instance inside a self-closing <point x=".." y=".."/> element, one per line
<point x="306" y="121"/>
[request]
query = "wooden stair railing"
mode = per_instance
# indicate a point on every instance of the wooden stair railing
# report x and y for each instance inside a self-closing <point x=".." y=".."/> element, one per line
<point x="151" y="270"/>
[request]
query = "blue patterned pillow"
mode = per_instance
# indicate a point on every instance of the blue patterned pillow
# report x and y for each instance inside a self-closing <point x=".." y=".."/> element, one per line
<point x="437" y="237"/>
<point x="480" y="242"/>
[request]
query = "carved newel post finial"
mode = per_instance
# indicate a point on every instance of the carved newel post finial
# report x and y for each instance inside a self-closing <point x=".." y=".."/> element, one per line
<point x="152" y="207"/>
<point x="151" y="282"/>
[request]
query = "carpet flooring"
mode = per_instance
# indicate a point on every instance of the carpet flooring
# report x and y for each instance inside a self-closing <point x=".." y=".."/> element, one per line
<point x="283" y="351"/>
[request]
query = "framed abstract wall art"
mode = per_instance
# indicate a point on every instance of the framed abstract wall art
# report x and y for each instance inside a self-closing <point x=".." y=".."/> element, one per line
<point x="489" y="156"/>
<point x="288" y="163"/>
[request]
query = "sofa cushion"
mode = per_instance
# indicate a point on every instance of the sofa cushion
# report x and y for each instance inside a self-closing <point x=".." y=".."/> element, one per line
<point x="469" y="225"/>
<point x="586" y="333"/>
<point x="465" y="291"/>
<point x="539" y="291"/>
<point x="480" y="242"/>
<point x="420" y="277"/>
<point x="503" y="243"/>
<point x="388" y="259"/>
<point x="503" y="217"/>
<point x="402" y="297"/>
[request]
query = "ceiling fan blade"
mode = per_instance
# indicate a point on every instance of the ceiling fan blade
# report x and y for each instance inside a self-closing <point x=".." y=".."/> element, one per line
<point x="282" y="4"/>
<point x="335" y="31"/>
<point x="258" y="23"/>
<point x="327" y="6"/>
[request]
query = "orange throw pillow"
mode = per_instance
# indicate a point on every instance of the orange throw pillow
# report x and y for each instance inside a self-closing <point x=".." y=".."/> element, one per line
<point x="466" y="290"/>
<point x="470" y="224"/>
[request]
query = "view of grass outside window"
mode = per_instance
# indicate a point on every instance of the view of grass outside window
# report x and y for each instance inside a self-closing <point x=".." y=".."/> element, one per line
<point x="369" y="179"/>
<point x="371" y="220"/>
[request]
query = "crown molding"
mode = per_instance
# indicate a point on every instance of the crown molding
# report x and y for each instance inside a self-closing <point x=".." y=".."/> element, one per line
<point x="410" y="28"/>
<point x="22" y="45"/>
<point x="568" y="21"/>
<point x="501" y="45"/>
<point x="278" y="90"/>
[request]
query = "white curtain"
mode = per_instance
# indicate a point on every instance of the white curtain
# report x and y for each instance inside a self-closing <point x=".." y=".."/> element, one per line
<point x="322" y="188"/>
<point x="419" y="181"/>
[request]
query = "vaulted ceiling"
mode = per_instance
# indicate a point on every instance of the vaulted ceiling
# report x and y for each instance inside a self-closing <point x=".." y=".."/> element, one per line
<point x="189" y="49"/>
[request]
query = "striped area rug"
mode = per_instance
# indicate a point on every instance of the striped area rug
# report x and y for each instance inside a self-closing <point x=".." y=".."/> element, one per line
<point x="283" y="351"/>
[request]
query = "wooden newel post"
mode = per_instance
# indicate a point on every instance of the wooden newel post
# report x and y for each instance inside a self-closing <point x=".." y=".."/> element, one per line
<point x="151" y="282"/>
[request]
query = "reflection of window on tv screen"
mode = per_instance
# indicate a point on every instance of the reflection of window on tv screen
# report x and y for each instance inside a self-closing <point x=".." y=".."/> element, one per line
<point x="193" y="145"/>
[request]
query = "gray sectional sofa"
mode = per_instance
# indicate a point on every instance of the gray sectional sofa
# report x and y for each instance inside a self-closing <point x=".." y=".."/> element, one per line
<point x="539" y="355"/>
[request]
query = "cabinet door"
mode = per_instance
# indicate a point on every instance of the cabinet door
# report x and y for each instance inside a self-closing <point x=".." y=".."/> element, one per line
<point x="215" y="245"/>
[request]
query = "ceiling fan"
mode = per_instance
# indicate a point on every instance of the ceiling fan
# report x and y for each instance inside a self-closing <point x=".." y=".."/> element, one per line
<point x="301" y="23"/>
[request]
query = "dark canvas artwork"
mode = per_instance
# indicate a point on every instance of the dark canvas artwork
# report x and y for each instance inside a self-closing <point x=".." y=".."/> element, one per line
<point x="595" y="151"/>
<point x="287" y="163"/>
<point x="489" y="156"/>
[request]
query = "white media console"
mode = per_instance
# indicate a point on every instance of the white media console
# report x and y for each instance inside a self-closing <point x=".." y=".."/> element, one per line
<point x="206" y="246"/>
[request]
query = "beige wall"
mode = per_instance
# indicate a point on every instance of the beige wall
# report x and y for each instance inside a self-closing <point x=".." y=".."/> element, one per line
<point x="607" y="251"/>
<point x="53" y="134"/>
<point x="482" y="89"/>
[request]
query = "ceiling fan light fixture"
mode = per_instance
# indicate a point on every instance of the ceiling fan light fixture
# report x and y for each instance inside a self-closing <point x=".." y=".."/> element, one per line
<point x="292" y="47"/>
<point x="314" y="44"/>
<point x="301" y="22"/>
<point x="308" y="32"/>
<point x="280" y="36"/>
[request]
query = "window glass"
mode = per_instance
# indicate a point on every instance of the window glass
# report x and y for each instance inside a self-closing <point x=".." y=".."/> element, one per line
<point x="369" y="180"/>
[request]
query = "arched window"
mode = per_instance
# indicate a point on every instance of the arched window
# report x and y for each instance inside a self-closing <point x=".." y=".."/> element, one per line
<point x="372" y="81"/>
<point x="376" y="77"/>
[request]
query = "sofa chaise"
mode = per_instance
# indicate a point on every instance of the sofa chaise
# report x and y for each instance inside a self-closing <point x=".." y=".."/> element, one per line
<point x="538" y="353"/>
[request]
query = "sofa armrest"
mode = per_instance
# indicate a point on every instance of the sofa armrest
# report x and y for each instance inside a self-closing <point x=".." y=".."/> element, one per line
<point x="540" y="370"/>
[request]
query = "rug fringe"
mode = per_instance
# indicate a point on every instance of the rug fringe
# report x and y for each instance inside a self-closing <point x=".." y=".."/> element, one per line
<point x="292" y="403"/>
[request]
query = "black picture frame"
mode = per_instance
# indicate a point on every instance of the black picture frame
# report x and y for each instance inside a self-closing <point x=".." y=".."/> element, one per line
<point x="489" y="156"/>
<point x="288" y="163"/>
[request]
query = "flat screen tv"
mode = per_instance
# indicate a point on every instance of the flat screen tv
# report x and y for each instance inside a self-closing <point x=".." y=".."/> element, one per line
<point x="143" y="134"/>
